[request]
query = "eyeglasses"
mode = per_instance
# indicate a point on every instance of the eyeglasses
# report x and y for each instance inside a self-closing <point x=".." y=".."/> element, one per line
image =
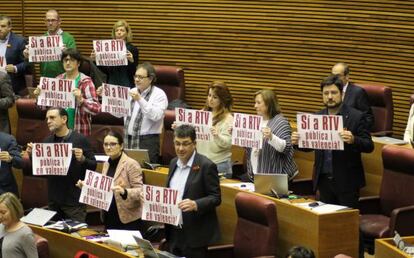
<point x="139" y="77"/>
<point x="51" y="20"/>
<point x="110" y="144"/>
<point x="183" y="144"/>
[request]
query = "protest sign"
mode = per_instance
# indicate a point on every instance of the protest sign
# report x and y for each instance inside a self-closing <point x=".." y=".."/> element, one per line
<point x="56" y="93"/>
<point x="247" y="131"/>
<point x="110" y="52"/>
<point x="96" y="190"/>
<point x="116" y="100"/>
<point x="200" y="119"/>
<point x="45" y="48"/>
<point x="51" y="158"/>
<point x="320" y="131"/>
<point x="161" y="205"/>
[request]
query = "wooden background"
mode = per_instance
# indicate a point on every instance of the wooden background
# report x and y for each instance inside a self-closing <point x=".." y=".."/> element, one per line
<point x="288" y="46"/>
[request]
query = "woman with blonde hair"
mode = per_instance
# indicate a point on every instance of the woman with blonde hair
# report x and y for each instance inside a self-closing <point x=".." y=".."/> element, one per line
<point x="18" y="240"/>
<point x="122" y="75"/>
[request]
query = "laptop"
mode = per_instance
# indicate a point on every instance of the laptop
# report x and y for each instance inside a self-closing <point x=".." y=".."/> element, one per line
<point x="271" y="184"/>
<point x="140" y="155"/>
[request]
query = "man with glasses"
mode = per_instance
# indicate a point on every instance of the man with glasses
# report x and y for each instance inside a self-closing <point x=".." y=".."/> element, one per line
<point x="11" y="56"/>
<point x="87" y="104"/>
<point x="63" y="194"/>
<point x="196" y="178"/>
<point x="353" y="95"/>
<point x="53" y="22"/>
<point x="143" y="127"/>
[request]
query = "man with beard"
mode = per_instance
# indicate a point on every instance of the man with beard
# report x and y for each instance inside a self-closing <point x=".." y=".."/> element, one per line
<point x="339" y="174"/>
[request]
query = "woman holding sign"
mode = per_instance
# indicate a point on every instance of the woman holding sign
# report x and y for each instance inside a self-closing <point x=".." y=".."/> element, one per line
<point x="276" y="154"/>
<point x="18" y="240"/>
<point x="122" y="75"/>
<point x="126" y="205"/>
<point x="219" y="102"/>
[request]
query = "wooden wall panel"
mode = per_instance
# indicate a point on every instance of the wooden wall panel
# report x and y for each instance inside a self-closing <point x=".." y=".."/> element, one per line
<point x="14" y="9"/>
<point x="288" y="46"/>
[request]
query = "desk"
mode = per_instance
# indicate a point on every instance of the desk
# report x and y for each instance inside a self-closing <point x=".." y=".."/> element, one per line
<point x="62" y="245"/>
<point x="385" y="248"/>
<point x="326" y="234"/>
<point x="372" y="163"/>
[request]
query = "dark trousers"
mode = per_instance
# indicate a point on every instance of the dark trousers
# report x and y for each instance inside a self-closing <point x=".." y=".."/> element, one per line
<point x="151" y="142"/>
<point x="329" y="193"/>
<point x="177" y="245"/>
<point x="75" y="212"/>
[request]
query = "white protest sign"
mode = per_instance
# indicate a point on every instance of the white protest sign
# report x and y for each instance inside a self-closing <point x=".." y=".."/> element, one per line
<point x="247" y="131"/>
<point x="110" y="52"/>
<point x="51" y="158"/>
<point x="200" y="119"/>
<point x="320" y="131"/>
<point x="45" y="48"/>
<point x="96" y="190"/>
<point x="56" y="93"/>
<point x="116" y="100"/>
<point x="161" y="205"/>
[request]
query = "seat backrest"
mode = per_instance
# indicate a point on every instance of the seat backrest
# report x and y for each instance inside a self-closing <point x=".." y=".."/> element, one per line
<point x="256" y="230"/>
<point x="101" y="124"/>
<point x="398" y="178"/>
<point x="171" y="80"/>
<point x="42" y="246"/>
<point x="31" y="123"/>
<point x="167" y="145"/>
<point x="380" y="98"/>
<point x="34" y="192"/>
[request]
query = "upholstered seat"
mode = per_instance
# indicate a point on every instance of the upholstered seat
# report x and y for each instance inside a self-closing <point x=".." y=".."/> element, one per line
<point x="256" y="230"/>
<point x="393" y="209"/>
<point x="380" y="98"/>
<point x="42" y="246"/>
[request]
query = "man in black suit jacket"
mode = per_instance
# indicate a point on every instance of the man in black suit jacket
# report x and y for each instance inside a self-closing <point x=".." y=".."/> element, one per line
<point x="196" y="177"/>
<point x="339" y="174"/>
<point x="353" y="95"/>
<point x="9" y="156"/>
<point x="16" y="65"/>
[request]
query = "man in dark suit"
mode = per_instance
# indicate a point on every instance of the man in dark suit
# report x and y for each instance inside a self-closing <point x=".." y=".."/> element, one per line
<point x="6" y="101"/>
<point x="353" y="95"/>
<point x="339" y="174"/>
<point x="9" y="157"/>
<point x="12" y="48"/>
<point x="196" y="177"/>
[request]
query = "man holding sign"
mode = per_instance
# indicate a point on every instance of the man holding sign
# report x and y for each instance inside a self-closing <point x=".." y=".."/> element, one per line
<point x="9" y="157"/>
<point x="62" y="190"/>
<point x="196" y="177"/>
<point x="339" y="174"/>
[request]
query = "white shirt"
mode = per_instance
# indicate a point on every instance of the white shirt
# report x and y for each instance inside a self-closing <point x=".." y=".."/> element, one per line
<point x="179" y="178"/>
<point x="152" y="111"/>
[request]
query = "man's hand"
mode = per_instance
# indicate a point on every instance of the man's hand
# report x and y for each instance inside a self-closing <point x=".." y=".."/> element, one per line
<point x="5" y="156"/>
<point x="78" y="154"/>
<point x="78" y="95"/>
<point x="29" y="148"/>
<point x="10" y="68"/>
<point x="93" y="55"/>
<point x="79" y="184"/>
<point x="135" y="95"/>
<point x="187" y="205"/>
<point x="295" y="138"/>
<point x="130" y="57"/>
<point x="347" y="136"/>
<point x="99" y="91"/>
<point x="37" y="91"/>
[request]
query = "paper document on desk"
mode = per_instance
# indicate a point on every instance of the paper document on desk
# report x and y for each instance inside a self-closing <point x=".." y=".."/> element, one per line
<point x="124" y="237"/>
<point x="322" y="208"/>
<point x="389" y="140"/>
